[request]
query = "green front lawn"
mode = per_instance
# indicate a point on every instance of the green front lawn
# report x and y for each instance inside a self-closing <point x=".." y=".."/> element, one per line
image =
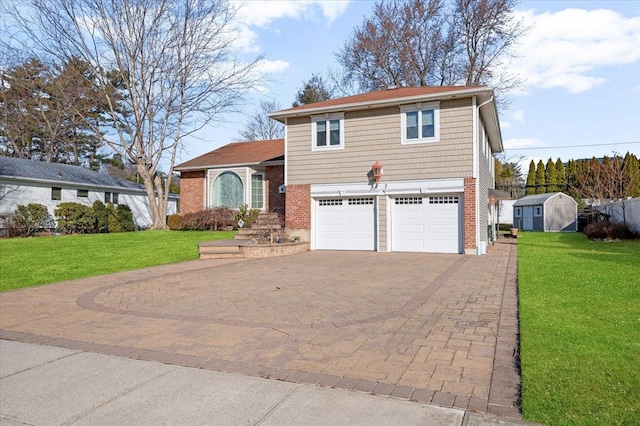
<point x="26" y="262"/>
<point x="579" y="329"/>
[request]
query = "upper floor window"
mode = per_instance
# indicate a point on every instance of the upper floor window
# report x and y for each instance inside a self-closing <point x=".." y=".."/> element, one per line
<point x="327" y="131"/>
<point x="420" y="123"/>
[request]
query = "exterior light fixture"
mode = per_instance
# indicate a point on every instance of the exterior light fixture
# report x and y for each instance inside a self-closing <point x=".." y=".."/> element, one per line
<point x="377" y="172"/>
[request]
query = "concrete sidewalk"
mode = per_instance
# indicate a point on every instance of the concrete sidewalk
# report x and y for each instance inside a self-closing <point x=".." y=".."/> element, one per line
<point x="44" y="385"/>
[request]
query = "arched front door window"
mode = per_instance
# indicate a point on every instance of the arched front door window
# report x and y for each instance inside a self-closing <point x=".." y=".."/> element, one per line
<point x="227" y="191"/>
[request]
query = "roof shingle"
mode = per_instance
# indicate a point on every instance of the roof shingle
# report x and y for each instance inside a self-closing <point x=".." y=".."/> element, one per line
<point x="11" y="167"/>
<point x="238" y="153"/>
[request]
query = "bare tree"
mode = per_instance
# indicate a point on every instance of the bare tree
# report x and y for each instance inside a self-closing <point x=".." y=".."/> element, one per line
<point x="172" y="64"/>
<point x="432" y="43"/>
<point x="259" y="127"/>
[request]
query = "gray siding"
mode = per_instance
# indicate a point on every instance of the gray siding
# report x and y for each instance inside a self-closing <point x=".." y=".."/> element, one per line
<point x="560" y="214"/>
<point x="374" y="135"/>
<point x="485" y="181"/>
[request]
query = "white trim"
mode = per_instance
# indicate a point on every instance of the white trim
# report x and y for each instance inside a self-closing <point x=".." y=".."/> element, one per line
<point x="474" y="137"/>
<point x="286" y="156"/>
<point x="389" y="236"/>
<point x="312" y="231"/>
<point x="327" y="118"/>
<point x="432" y="186"/>
<point x="420" y="107"/>
<point x="264" y="204"/>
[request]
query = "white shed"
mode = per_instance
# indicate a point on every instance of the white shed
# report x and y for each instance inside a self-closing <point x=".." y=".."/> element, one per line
<point x="555" y="212"/>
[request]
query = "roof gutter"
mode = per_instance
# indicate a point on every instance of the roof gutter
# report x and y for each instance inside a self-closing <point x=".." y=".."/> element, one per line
<point x="226" y="166"/>
<point x="97" y="188"/>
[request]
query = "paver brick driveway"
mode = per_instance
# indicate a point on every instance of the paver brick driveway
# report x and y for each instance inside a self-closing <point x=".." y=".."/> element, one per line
<point x="427" y="327"/>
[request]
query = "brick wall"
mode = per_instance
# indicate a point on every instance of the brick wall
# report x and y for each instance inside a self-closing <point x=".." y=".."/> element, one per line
<point x="274" y="176"/>
<point x="191" y="191"/>
<point x="469" y="214"/>
<point x="298" y="212"/>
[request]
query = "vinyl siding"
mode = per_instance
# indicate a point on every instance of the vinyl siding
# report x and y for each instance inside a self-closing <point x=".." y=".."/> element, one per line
<point x="374" y="135"/>
<point x="486" y="181"/>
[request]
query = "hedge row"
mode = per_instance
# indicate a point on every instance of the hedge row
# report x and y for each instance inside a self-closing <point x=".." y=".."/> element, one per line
<point x="72" y="218"/>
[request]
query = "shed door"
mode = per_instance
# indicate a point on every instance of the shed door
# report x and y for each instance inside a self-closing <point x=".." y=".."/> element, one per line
<point x="527" y="218"/>
<point x="346" y="224"/>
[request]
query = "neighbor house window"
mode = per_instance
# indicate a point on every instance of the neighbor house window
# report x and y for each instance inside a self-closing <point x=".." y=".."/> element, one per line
<point x="83" y="193"/>
<point x="257" y="190"/>
<point x="518" y="211"/>
<point x="537" y="211"/>
<point x="114" y="198"/>
<point x="107" y="197"/>
<point x="420" y="123"/>
<point x="327" y="131"/>
<point x="56" y="194"/>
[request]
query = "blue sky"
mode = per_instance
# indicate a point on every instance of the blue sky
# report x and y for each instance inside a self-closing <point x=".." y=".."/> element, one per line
<point x="580" y="62"/>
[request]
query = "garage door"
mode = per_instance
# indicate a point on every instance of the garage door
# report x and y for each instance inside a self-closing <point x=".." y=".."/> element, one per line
<point x="345" y="224"/>
<point x="426" y="224"/>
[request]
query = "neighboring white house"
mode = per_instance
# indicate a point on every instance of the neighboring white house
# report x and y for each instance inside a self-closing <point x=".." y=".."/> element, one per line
<point x="28" y="181"/>
<point x="630" y="214"/>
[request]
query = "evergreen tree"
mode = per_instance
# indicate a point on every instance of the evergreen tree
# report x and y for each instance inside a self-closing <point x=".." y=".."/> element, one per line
<point x="572" y="173"/>
<point x="550" y="176"/>
<point x="315" y="90"/>
<point x="531" y="179"/>
<point x="631" y="169"/>
<point x="541" y="187"/>
<point x="561" y="177"/>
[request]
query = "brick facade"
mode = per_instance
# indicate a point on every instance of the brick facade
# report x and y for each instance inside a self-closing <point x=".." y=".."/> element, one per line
<point x="191" y="191"/>
<point x="469" y="214"/>
<point x="298" y="212"/>
<point x="274" y="175"/>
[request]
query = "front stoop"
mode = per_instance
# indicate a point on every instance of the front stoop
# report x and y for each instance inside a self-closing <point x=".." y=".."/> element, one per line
<point x="227" y="249"/>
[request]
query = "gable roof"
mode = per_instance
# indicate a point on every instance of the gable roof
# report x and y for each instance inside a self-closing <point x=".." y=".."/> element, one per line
<point x="407" y="95"/>
<point x="536" y="199"/>
<point x="395" y="94"/>
<point x="56" y="173"/>
<point x="236" y="154"/>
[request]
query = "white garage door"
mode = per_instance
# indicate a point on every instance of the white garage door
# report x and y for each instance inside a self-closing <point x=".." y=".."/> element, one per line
<point x="426" y="224"/>
<point x="345" y="224"/>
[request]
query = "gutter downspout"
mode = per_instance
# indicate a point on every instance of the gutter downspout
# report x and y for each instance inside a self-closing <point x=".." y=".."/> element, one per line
<point x="476" y="167"/>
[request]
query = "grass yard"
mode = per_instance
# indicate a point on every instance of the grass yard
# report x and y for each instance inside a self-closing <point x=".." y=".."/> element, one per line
<point x="27" y="262"/>
<point x="580" y="329"/>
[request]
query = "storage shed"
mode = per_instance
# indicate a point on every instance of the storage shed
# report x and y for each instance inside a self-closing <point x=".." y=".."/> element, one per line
<point x="553" y="212"/>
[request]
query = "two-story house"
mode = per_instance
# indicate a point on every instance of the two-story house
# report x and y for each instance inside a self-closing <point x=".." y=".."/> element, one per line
<point x="430" y="191"/>
<point x="403" y="169"/>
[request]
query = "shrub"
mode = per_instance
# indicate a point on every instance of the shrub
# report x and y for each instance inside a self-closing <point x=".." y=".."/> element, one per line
<point x="101" y="214"/>
<point x="608" y="231"/>
<point x="174" y="222"/>
<point x="208" y="220"/>
<point x="75" y="218"/>
<point x="27" y="220"/>
<point x="125" y="218"/>
<point x="247" y="215"/>
<point x="112" y="221"/>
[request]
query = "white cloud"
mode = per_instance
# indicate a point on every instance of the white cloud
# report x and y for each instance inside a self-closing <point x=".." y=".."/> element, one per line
<point x="518" y="115"/>
<point x="267" y="66"/>
<point x="516" y="143"/>
<point x="566" y="49"/>
<point x="261" y="13"/>
<point x="505" y="125"/>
